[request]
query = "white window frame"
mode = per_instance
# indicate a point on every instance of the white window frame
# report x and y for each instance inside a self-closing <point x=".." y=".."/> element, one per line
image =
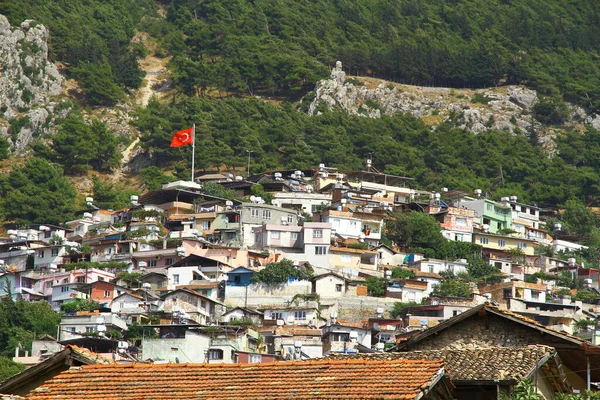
<point x="267" y="214"/>
<point x="254" y="213"/>
<point x="321" y="250"/>
<point x="300" y="315"/>
<point x="276" y="235"/>
<point x="317" y="233"/>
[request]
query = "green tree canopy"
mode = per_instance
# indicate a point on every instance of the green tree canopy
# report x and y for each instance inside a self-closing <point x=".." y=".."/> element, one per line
<point x="37" y="193"/>
<point x="416" y="231"/>
<point x="280" y="272"/>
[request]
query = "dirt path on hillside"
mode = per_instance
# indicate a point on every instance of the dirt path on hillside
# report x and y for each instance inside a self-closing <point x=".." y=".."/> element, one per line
<point x="156" y="71"/>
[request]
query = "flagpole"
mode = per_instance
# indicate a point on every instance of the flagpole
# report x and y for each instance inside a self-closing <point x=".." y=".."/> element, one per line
<point x="193" y="148"/>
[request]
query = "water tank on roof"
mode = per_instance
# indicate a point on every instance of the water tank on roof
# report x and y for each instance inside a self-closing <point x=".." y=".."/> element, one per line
<point x="379" y="346"/>
<point x="321" y="166"/>
<point x="239" y="178"/>
<point x="513" y="199"/>
<point x="277" y="175"/>
<point x="504" y="199"/>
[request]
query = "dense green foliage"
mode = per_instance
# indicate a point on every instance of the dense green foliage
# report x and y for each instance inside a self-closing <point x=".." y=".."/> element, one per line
<point x="22" y="321"/>
<point x="266" y="45"/>
<point x="403" y="273"/>
<point x="452" y="288"/>
<point x="376" y="286"/>
<point x="401" y="309"/>
<point x="80" y="305"/>
<point x="279" y="273"/>
<point x="38" y="192"/>
<point x="92" y="38"/>
<point x="8" y="368"/>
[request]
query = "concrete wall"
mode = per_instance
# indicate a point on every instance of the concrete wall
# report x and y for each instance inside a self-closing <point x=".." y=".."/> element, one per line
<point x="330" y="286"/>
<point x="189" y="349"/>
<point x="257" y="294"/>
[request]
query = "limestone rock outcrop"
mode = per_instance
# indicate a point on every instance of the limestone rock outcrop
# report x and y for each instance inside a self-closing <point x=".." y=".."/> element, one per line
<point x="29" y="82"/>
<point x="504" y="108"/>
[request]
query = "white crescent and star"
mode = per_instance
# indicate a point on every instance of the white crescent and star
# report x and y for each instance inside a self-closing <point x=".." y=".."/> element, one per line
<point x="185" y="137"/>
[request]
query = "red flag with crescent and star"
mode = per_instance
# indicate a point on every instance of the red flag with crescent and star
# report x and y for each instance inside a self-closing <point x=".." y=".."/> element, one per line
<point x="183" y="137"/>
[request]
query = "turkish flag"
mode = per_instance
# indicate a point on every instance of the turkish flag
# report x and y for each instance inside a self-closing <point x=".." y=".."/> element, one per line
<point x="183" y="137"/>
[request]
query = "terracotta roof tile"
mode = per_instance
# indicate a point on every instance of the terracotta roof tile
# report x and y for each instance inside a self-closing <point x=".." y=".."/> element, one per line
<point x="490" y="364"/>
<point x="323" y="379"/>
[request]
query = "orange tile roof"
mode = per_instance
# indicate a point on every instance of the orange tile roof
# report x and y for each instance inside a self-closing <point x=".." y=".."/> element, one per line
<point x="323" y="379"/>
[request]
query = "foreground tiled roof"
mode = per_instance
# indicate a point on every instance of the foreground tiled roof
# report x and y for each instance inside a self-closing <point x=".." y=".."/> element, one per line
<point x="323" y="379"/>
<point x="489" y="364"/>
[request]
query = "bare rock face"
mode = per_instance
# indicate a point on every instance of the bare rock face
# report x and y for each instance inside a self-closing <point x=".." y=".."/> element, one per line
<point x="28" y="80"/>
<point x="505" y="108"/>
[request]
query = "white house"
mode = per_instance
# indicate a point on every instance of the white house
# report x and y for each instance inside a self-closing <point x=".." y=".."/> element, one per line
<point x="436" y="266"/>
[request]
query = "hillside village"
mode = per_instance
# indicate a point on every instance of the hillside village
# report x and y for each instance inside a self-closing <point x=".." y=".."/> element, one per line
<point x="203" y="279"/>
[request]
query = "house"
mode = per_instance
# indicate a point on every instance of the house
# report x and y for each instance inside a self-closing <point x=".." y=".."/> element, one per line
<point x="457" y="224"/>
<point x="156" y="258"/>
<point x="412" y="379"/>
<point x="194" y="267"/>
<point x="559" y="245"/>
<point x="103" y="292"/>
<point x="350" y="224"/>
<point x="330" y="284"/>
<point x="387" y="255"/>
<point x="408" y="290"/>
<point x="71" y="356"/>
<point x="157" y="281"/>
<point x="254" y="215"/>
<point x="240" y="276"/>
<point x="435" y="266"/>
<point x="302" y="202"/>
<point x="349" y="258"/>
<point x="489" y="373"/>
<point x="76" y="326"/>
<point x="195" y="306"/>
<point x="293" y="342"/>
<point x="240" y="313"/>
<point x="345" y="338"/>
<point x="492" y="241"/>
<point x="134" y="307"/>
<point x="487" y="326"/>
<point x="492" y="216"/>
<point x="304" y="313"/>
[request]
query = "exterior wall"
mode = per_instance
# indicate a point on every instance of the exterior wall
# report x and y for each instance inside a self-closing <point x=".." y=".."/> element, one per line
<point x="483" y="331"/>
<point x="127" y="304"/>
<point x="49" y="256"/>
<point x="255" y="215"/>
<point x="277" y="237"/>
<point x="257" y="294"/>
<point x="330" y="286"/>
<point x="386" y="256"/>
<point x="238" y="314"/>
<point x="245" y="358"/>
<point x="311" y="345"/>
<point x="99" y="290"/>
<point x="435" y="266"/>
<point x="519" y="290"/>
<point x="88" y="322"/>
<point x="177" y="276"/>
<point x="156" y="258"/>
<point x="199" y="309"/>
<point x="563" y="245"/>
<point x="406" y="294"/>
<point x="333" y="346"/>
<point x="192" y="348"/>
<point x="291" y="313"/>
<point x="354" y="259"/>
<point x="504" y="243"/>
<point x="158" y="284"/>
<point x="343" y="223"/>
<point x="308" y="202"/>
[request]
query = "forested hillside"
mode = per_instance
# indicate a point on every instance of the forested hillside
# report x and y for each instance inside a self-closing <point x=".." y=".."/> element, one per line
<point x="240" y="68"/>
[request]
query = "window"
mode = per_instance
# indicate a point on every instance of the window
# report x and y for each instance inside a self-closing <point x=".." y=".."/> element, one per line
<point x="215" y="354"/>
<point x="152" y="263"/>
<point x="459" y="237"/>
<point x="81" y="279"/>
<point x="170" y="261"/>
<point x="40" y="253"/>
<point x="294" y="235"/>
<point x="430" y="267"/>
<point x="277" y="315"/>
<point x="205" y="225"/>
<point x="410" y="296"/>
<point x="300" y="315"/>
<point x="290" y="219"/>
<point x="317" y="233"/>
<point x="501" y="242"/>
<point x="522" y="245"/>
<point x="275" y="235"/>
<point x="313" y="208"/>
<point x="108" y="250"/>
<point x="489" y="207"/>
<point x="339" y="336"/>
<point x="107" y="293"/>
<point x="47" y="234"/>
<point x="320" y="250"/>
<point x="89" y="329"/>
<point x="71" y="329"/>
<point x="483" y="240"/>
<point x="346" y="258"/>
<point x="48" y="285"/>
<point x="451" y="267"/>
<point x="338" y="287"/>
<point x="461" y="222"/>
<point x="456" y="312"/>
<point x="254" y="358"/>
<point x="100" y="278"/>
<point x="266" y="214"/>
<point x="160" y="284"/>
<point x="55" y="252"/>
<point x="64" y="289"/>
<point x="176" y="279"/>
<point x="535" y="296"/>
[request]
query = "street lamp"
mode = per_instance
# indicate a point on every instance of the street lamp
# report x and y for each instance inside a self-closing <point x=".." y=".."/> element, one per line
<point x="249" y="152"/>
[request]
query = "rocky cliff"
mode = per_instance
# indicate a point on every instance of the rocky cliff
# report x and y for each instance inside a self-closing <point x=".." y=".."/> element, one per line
<point x="29" y="83"/>
<point x="506" y="108"/>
